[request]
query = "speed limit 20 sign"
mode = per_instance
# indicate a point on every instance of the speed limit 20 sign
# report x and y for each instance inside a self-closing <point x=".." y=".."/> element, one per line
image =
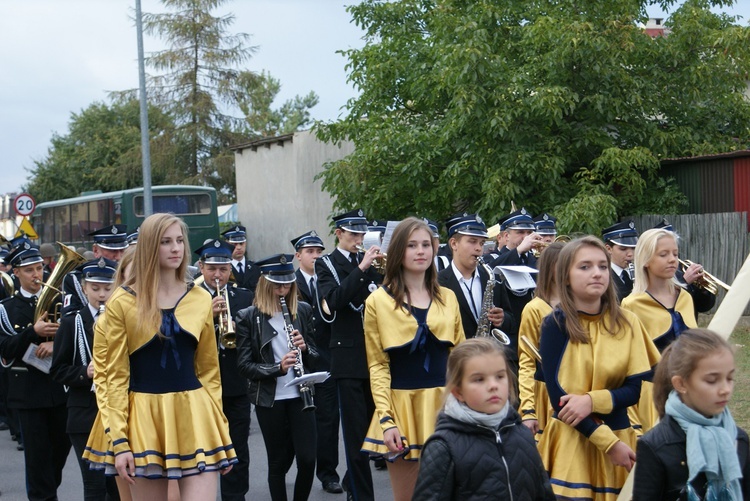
<point x="24" y="204"/>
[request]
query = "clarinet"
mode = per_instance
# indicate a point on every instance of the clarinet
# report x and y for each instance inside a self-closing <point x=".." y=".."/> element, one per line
<point x="304" y="389"/>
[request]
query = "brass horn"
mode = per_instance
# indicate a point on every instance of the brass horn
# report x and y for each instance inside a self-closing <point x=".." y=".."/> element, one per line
<point x="69" y="260"/>
<point x="707" y="281"/>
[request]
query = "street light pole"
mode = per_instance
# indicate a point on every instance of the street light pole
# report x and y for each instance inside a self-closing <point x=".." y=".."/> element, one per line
<point x="148" y="206"/>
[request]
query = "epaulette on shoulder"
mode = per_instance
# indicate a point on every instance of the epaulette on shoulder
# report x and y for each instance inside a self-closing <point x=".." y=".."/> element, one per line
<point x="71" y="313"/>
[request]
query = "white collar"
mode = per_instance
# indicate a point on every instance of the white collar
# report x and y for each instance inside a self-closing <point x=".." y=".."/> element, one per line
<point x="460" y="276"/>
<point x="28" y="294"/>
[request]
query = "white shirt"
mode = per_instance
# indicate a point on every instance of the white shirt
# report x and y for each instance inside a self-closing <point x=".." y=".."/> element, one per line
<point x="280" y="347"/>
<point x="472" y="289"/>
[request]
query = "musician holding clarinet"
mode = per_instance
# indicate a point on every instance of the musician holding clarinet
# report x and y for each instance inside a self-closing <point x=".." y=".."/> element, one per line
<point x="274" y="343"/>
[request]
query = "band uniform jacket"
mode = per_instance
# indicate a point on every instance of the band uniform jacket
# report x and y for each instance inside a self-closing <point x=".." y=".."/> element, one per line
<point x="233" y="384"/>
<point x="622" y="289"/>
<point x="510" y="257"/>
<point x="68" y="369"/>
<point x="255" y="353"/>
<point x="74" y="298"/>
<point x="249" y="277"/>
<point x="447" y="278"/>
<point x="348" y="354"/>
<point x="322" y="328"/>
<point x="29" y="388"/>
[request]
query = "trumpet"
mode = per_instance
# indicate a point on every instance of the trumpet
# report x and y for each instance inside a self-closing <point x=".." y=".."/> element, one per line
<point x="539" y="247"/>
<point x="379" y="262"/>
<point x="706" y="281"/>
<point x="227" y="335"/>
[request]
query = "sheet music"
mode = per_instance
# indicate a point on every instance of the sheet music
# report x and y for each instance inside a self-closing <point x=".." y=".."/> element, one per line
<point x="43" y="364"/>
<point x="387" y="236"/>
<point x="313" y="378"/>
<point x="518" y="277"/>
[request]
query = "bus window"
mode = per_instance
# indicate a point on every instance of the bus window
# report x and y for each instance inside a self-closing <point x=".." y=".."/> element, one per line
<point x="180" y="205"/>
<point x="62" y="224"/>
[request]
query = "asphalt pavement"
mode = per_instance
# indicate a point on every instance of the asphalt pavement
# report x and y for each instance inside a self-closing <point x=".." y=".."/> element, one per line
<point x="12" y="478"/>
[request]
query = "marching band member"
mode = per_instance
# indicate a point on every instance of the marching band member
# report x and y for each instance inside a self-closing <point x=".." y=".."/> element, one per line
<point x="520" y="237"/>
<point x="594" y="357"/>
<point x="133" y="237"/>
<point x="109" y="242"/>
<point x="545" y="227"/>
<point x="163" y="409"/>
<point x="703" y="300"/>
<point x="411" y="325"/>
<point x="267" y="358"/>
<point x="664" y="309"/>
<point x="535" y="406"/>
<point x="620" y="240"/>
<point x="246" y="273"/>
<point x="308" y="247"/>
<point x="215" y="258"/>
<point x="345" y="279"/>
<point x="442" y="261"/>
<point x="466" y="235"/>
<point x="73" y="366"/>
<point x="39" y="400"/>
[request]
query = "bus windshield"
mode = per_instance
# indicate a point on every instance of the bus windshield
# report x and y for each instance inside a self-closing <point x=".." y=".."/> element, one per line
<point x="180" y="205"/>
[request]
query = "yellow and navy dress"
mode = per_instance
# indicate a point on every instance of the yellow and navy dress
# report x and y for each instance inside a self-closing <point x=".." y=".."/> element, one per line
<point x="159" y="394"/>
<point x="532" y="391"/>
<point x="663" y="325"/>
<point x="609" y="368"/>
<point x="407" y="354"/>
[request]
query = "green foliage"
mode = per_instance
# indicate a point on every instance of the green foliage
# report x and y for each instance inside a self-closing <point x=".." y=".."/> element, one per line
<point x="469" y="105"/>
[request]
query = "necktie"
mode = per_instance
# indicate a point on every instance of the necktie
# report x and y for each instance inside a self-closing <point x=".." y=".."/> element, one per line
<point x="353" y="259"/>
<point x="239" y="268"/>
<point x="312" y="287"/>
<point x="626" y="278"/>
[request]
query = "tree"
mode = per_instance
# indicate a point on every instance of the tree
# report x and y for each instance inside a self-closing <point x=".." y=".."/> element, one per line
<point x="559" y="106"/>
<point x="102" y="151"/>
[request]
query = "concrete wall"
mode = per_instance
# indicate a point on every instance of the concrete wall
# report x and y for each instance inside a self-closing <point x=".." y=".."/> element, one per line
<point x="277" y="196"/>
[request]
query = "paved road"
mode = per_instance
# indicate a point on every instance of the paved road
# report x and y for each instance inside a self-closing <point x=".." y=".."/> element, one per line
<point x="12" y="483"/>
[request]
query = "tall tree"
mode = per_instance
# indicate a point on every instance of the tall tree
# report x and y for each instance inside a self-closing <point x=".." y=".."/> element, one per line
<point x="101" y="151"/>
<point x="558" y="106"/>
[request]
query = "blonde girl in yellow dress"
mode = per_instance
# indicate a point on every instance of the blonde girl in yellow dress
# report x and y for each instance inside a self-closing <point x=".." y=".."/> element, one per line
<point x="664" y="308"/>
<point x="594" y="357"/>
<point x="162" y="384"/>
<point x="411" y="325"/>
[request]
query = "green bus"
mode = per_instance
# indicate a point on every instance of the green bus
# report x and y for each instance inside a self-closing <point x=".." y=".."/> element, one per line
<point x="71" y="220"/>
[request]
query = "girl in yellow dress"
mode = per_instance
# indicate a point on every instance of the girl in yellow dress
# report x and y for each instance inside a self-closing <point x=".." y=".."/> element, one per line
<point x="163" y="390"/>
<point x="594" y="356"/>
<point x="534" y="408"/>
<point x="411" y="325"/>
<point x="664" y="308"/>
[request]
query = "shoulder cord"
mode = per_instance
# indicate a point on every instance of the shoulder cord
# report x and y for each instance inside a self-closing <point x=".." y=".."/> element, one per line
<point x="8" y="330"/>
<point x="82" y="343"/>
<point x="79" y="291"/>
<point x="327" y="261"/>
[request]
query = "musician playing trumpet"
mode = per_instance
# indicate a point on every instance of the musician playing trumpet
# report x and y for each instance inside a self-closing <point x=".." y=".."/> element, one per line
<point x="215" y="264"/>
<point x="620" y="240"/>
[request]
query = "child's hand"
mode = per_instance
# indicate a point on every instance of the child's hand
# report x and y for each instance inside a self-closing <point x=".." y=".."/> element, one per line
<point x="531" y="424"/>
<point x="622" y="455"/>
<point x="574" y="408"/>
<point x="392" y="440"/>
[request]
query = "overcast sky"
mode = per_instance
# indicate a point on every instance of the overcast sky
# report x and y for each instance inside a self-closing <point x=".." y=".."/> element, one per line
<point x="59" y="56"/>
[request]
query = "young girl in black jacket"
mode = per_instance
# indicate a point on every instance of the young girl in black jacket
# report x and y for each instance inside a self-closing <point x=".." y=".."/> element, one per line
<point x="696" y="451"/>
<point x="480" y="449"/>
<point x="265" y="357"/>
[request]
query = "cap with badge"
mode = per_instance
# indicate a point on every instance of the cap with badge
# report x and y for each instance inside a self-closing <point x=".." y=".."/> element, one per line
<point x="353" y="221"/>
<point x="545" y="224"/>
<point x="215" y="252"/>
<point x="23" y="254"/>
<point x="376" y="225"/>
<point x="623" y="234"/>
<point x="518" y="220"/>
<point x="309" y="239"/>
<point x="664" y="225"/>
<point x="114" y="237"/>
<point x="100" y="271"/>
<point x="278" y="268"/>
<point x="434" y="227"/>
<point x="466" y="224"/>
<point x="236" y="234"/>
<point x="133" y="237"/>
<point x="3" y="253"/>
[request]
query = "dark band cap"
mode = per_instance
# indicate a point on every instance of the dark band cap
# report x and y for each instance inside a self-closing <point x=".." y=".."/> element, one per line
<point x="24" y="255"/>
<point x="101" y="271"/>
<point x="623" y="234"/>
<point x="545" y="224"/>
<point x="113" y="237"/>
<point x="664" y="225"/>
<point x="133" y="237"/>
<point x="434" y="227"/>
<point x="353" y="221"/>
<point x="309" y="239"/>
<point x="215" y="251"/>
<point x="278" y="268"/>
<point x="519" y="220"/>
<point x="236" y="234"/>
<point x="466" y="224"/>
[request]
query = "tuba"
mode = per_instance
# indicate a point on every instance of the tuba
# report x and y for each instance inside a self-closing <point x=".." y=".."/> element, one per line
<point x="484" y="326"/>
<point x="69" y="260"/>
<point x="227" y="336"/>
<point x="8" y="284"/>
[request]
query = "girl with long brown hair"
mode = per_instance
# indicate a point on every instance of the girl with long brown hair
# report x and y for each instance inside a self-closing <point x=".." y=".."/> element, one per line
<point x="594" y="357"/>
<point x="411" y="325"/>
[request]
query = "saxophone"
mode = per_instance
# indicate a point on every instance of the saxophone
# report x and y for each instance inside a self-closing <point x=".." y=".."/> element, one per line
<point x="305" y="391"/>
<point x="484" y="326"/>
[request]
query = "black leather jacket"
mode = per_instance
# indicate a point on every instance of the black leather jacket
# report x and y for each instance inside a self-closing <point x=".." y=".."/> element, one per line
<point x="661" y="464"/>
<point x="255" y="358"/>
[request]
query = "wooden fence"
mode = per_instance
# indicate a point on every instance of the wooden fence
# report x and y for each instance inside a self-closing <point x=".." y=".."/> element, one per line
<point x="720" y="242"/>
